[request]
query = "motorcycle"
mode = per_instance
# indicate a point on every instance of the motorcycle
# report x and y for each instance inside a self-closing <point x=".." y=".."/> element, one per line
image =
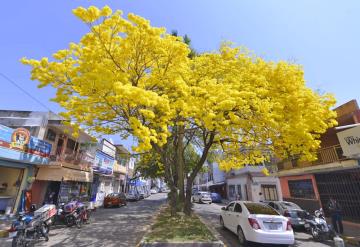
<point x="316" y="224"/>
<point x="28" y="229"/>
<point x="72" y="213"/>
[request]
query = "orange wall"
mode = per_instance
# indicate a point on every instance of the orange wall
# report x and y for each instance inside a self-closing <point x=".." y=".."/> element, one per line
<point x="285" y="187"/>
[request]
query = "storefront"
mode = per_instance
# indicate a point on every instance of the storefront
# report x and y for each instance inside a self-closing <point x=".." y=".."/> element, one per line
<point x="103" y="183"/>
<point x="18" y="153"/>
<point x="57" y="184"/>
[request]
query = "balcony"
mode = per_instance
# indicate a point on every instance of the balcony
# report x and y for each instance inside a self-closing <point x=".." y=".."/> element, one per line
<point x="83" y="159"/>
<point x="324" y="156"/>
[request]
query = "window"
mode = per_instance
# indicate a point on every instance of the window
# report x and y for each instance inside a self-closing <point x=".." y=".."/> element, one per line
<point x="239" y="192"/>
<point x="258" y="208"/>
<point x="230" y="207"/>
<point x="50" y="135"/>
<point x="71" y="145"/>
<point x="301" y="189"/>
<point x="269" y="191"/>
<point x="238" y="208"/>
<point x="232" y="191"/>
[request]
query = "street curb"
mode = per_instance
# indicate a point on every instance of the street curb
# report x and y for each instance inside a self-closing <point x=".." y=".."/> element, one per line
<point x="211" y="229"/>
<point x="217" y="243"/>
<point x="351" y="240"/>
<point x="152" y="221"/>
<point x="4" y="233"/>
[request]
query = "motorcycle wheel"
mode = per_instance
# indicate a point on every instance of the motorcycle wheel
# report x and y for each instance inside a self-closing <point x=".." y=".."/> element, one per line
<point x="46" y="228"/>
<point x="18" y="241"/>
<point x="70" y="221"/>
<point x="45" y="231"/>
<point x="315" y="233"/>
<point x="88" y="217"/>
<point x="79" y="222"/>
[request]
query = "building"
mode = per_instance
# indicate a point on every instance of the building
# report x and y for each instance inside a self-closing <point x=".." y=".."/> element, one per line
<point x="311" y="184"/>
<point x="19" y="154"/>
<point x="218" y="181"/>
<point x="104" y="180"/>
<point x="121" y="168"/>
<point x="69" y="170"/>
<point x="251" y="184"/>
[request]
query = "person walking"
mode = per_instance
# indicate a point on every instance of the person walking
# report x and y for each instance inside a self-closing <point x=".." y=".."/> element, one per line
<point x="336" y="215"/>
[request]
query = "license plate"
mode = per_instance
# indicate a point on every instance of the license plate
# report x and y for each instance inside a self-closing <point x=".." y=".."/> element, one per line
<point x="12" y="234"/>
<point x="301" y="222"/>
<point x="273" y="226"/>
<point x="307" y="225"/>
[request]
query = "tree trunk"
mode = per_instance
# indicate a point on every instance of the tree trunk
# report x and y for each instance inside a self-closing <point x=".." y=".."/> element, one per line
<point x="187" y="203"/>
<point x="180" y="165"/>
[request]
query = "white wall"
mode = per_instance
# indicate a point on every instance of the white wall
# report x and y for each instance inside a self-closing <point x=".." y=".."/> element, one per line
<point x="219" y="175"/>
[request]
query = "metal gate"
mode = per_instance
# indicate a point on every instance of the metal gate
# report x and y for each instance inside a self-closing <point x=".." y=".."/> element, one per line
<point x="344" y="186"/>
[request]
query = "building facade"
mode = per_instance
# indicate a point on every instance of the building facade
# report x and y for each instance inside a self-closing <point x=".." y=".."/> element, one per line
<point x="68" y="172"/>
<point x="312" y="184"/>
<point x="19" y="154"/>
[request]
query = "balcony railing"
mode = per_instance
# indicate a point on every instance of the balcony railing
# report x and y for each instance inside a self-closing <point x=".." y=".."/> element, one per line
<point x="324" y="156"/>
<point x="84" y="159"/>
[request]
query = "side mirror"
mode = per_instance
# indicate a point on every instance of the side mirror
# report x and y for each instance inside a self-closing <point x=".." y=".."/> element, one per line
<point x="223" y="208"/>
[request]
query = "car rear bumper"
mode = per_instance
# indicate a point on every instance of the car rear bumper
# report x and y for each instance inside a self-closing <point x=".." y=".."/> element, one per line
<point x="205" y="200"/>
<point x="260" y="236"/>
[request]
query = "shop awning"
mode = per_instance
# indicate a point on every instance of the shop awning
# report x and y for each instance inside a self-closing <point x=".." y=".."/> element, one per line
<point x="63" y="174"/>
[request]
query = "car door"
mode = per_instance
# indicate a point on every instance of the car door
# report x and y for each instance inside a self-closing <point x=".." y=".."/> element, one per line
<point x="235" y="217"/>
<point x="228" y="214"/>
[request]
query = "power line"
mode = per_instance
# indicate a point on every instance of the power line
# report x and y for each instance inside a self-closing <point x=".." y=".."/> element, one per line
<point x="24" y="91"/>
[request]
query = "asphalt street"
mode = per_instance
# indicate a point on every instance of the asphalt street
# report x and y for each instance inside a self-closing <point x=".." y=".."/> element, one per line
<point x="211" y="212"/>
<point x="124" y="226"/>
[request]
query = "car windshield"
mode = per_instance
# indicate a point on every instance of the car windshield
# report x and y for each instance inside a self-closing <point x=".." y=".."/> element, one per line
<point x="258" y="208"/>
<point x="204" y="193"/>
<point x="285" y="205"/>
<point x="297" y="214"/>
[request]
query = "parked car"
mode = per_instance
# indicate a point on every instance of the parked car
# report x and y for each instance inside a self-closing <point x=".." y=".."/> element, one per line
<point x="132" y="195"/>
<point x="256" y="222"/>
<point x="115" y="200"/>
<point x="202" y="197"/>
<point x="216" y="197"/>
<point x="154" y="191"/>
<point x="290" y="210"/>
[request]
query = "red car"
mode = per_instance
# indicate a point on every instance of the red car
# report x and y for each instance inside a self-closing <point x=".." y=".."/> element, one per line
<point x="115" y="200"/>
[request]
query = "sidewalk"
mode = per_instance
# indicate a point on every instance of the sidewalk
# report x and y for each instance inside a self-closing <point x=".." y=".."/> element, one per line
<point x="351" y="233"/>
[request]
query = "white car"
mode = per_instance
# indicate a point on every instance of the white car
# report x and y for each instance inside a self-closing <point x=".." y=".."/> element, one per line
<point x="153" y="191"/>
<point x="256" y="222"/>
<point x="202" y="197"/>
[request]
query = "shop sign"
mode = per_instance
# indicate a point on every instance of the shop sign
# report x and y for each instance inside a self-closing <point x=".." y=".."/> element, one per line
<point x="103" y="163"/>
<point x="18" y="144"/>
<point x="350" y="141"/>
<point x="108" y="148"/>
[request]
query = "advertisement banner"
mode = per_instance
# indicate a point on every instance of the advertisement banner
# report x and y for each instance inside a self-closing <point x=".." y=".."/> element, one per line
<point x="18" y="144"/>
<point x="350" y="141"/>
<point x="103" y="163"/>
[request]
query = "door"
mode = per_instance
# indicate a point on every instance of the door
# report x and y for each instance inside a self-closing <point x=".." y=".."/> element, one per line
<point x="227" y="215"/>
<point x="235" y="217"/>
<point x="59" y="147"/>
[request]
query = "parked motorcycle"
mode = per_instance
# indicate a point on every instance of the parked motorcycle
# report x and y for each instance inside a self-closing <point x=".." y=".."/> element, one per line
<point x="72" y="213"/>
<point x="316" y="224"/>
<point x="28" y="229"/>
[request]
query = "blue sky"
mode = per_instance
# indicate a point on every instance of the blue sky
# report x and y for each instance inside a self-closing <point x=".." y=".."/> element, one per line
<point x="322" y="35"/>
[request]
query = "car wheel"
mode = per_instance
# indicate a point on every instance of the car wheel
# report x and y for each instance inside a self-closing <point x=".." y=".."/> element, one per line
<point x="222" y="223"/>
<point x="193" y="200"/>
<point x="241" y="237"/>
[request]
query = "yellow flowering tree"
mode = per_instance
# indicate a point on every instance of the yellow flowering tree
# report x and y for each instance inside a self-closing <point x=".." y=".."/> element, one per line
<point x="127" y="77"/>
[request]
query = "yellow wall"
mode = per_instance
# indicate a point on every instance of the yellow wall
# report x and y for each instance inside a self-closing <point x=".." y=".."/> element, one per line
<point x="9" y="176"/>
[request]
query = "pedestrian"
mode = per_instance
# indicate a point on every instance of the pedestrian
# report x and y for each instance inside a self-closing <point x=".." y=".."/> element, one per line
<point x="336" y="215"/>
